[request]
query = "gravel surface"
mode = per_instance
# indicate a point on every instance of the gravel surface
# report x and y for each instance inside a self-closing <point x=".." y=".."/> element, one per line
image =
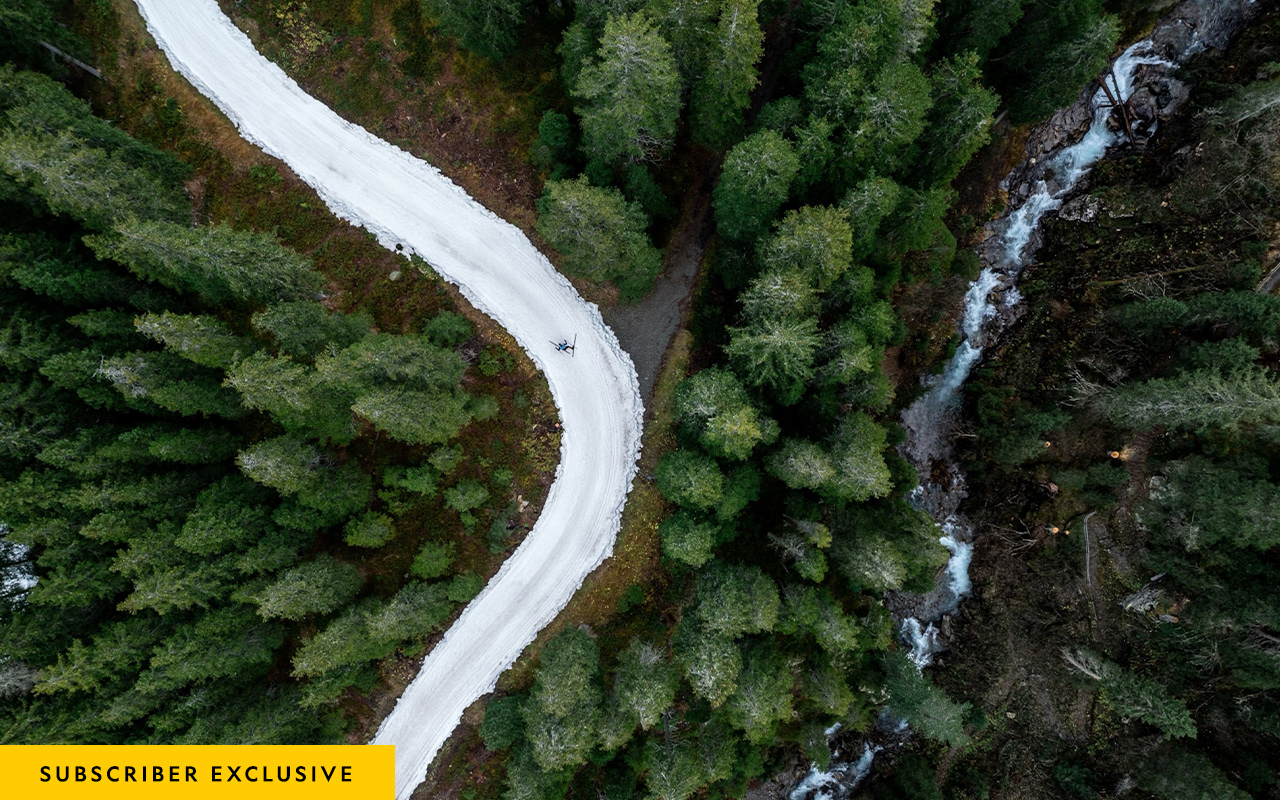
<point x="407" y="202"/>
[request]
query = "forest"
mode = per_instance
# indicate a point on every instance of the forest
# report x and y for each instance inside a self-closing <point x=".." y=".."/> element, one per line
<point x="154" y="377"/>
<point x="223" y="500"/>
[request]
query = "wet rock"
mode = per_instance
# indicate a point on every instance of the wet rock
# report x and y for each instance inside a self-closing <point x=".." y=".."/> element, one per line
<point x="1082" y="209"/>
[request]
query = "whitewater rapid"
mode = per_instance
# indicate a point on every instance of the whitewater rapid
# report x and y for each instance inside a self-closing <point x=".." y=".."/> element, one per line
<point x="406" y="202"/>
<point x="929" y="420"/>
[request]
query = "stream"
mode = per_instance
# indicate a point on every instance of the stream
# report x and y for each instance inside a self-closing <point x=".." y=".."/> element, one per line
<point x="1135" y="95"/>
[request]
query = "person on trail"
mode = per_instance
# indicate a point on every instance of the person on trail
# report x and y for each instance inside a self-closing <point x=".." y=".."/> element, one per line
<point x="563" y="346"/>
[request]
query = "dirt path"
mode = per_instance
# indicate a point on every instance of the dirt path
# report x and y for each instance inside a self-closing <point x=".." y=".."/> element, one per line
<point x="645" y="330"/>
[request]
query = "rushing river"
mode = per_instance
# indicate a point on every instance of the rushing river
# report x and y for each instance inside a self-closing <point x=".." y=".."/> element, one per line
<point x="988" y="307"/>
<point x="929" y="421"/>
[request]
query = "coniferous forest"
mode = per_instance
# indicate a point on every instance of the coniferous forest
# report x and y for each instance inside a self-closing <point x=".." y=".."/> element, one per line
<point x="217" y="474"/>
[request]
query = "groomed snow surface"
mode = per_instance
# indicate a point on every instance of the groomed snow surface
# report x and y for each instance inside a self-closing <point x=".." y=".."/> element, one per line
<point x="405" y="201"/>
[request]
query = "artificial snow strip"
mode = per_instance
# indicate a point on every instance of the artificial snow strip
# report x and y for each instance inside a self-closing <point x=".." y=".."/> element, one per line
<point x="406" y="202"/>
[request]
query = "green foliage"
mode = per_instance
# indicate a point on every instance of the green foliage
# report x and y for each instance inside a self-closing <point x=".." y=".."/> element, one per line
<point x="462" y="588"/>
<point x="419" y="480"/>
<point x="736" y="600"/>
<point x="629" y="93"/>
<point x="490" y="28"/>
<point x="709" y="663"/>
<point x="564" y="706"/>
<point x="959" y="122"/>
<point x="304" y="329"/>
<point x="1197" y="401"/>
<point x="924" y="706"/>
<point x="554" y="144"/>
<point x="888" y="118"/>
<point x="93" y="186"/>
<point x="221" y="264"/>
<point x="690" y="478"/>
<point x="724" y="90"/>
<point x="754" y="183"/>
<point x="869" y="203"/>
<point x="816" y="241"/>
<point x="466" y="495"/>
<point x="1054" y="50"/>
<point x="319" y="586"/>
<point x="640" y="187"/>
<point x="369" y="530"/>
<point x="851" y="468"/>
<point x="449" y="329"/>
<point x="433" y="560"/>
<point x="202" y="339"/>
<point x="713" y="408"/>
<point x="503" y="723"/>
<point x="1202" y="504"/>
<point x="600" y="234"/>
<point x="644" y="688"/>
<point x="687" y="539"/>
<point x="763" y="697"/>
<point x="416" y="417"/>
<point x="776" y="354"/>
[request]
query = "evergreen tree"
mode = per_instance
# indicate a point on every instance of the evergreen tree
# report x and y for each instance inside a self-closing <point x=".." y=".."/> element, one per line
<point x="304" y="329"/>
<point x="776" y="354"/>
<point x="563" y="712"/>
<point x="202" y="339"/>
<point x="763" y="697"/>
<point x="687" y="539"/>
<point x="927" y="708"/>
<point x="644" y="688"/>
<point x="690" y="478"/>
<point x="490" y="28"/>
<point x="959" y="121"/>
<point x="600" y="234"/>
<point x="754" y="183"/>
<point x="723" y="93"/>
<point x="1054" y="50"/>
<point x="221" y="264"/>
<point x="815" y="241"/>
<point x="629" y="93"/>
<point x="319" y="586"/>
<point x="710" y="663"/>
<point x="736" y="600"/>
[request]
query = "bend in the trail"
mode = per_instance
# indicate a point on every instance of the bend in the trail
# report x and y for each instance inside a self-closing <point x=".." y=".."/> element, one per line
<point x="405" y="201"/>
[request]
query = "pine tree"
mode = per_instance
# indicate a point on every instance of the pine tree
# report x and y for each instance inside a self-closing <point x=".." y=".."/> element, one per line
<point x="736" y="600"/>
<point x="600" y="234"/>
<point x="304" y="329"/>
<point x="220" y="264"/>
<point x="815" y="241"/>
<point x="672" y="773"/>
<point x="629" y="93"/>
<point x="490" y="28"/>
<point x="319" y="586"/>
<point x="776" y="354"/>
<point x="710" y="663"/>
<point x="202" y="339"/>
<point x="420" y="418"/>
<point x="690" y="478"/>
<point x="644" y="688"/>
<point x="959" y="121"/>
<point x="563" y="712"/>
<point x="687" y="539"/>
<point x="723" y="93"/>
<point x="754" y="183"/>
<point x="763" y="697"/>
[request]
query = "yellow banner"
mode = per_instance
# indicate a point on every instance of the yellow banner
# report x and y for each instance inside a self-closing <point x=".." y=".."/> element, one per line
<point x="230" y="772"/>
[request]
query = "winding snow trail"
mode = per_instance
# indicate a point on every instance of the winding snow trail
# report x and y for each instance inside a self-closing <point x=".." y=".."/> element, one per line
<point x="404" y="200"/>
